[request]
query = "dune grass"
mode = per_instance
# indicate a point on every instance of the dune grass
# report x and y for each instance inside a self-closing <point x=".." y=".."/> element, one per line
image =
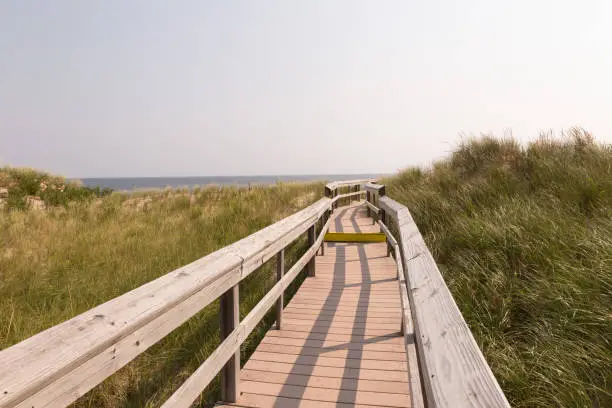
<point x="22" y="184"/>
<point x="523" y="237"/>
<point x="57" y="263"/>
<point x="522" y="234"/>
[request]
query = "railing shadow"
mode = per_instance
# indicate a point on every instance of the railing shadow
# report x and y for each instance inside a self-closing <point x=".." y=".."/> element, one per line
<point x="300" y="374"/>
<point x="345" y="395"/>
<point x="314" y="338"/>
<point x="338" y="220"/>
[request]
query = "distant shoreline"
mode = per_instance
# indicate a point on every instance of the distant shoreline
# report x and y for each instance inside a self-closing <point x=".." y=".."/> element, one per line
<point x="139" y="183"/>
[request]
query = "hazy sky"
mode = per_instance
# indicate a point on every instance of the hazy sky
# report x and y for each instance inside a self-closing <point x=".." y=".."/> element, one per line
<point x="177" y="88"/>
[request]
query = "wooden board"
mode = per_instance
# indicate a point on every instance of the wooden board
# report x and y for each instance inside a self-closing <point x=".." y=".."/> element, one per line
<point x="375" y="188"/>
<point x="197" y="382"/>
<point x="58" y="365"/>
<point x="335" y="184"/>
<point x="453" y="369"/>
<point x="353" y="218"/>
<point x="340" y="343"/>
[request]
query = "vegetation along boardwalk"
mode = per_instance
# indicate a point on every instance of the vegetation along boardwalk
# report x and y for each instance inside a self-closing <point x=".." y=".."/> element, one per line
<point x="373" y="324"/>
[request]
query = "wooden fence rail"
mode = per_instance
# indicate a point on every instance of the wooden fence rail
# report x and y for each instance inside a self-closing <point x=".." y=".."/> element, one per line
<point x="407" y="327"/>
<point x="453" y="370"/>
<point x="446" y="368"/>
<point x="60" y="364"/>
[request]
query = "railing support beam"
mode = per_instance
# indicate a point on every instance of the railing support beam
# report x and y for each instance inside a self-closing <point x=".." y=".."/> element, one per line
<point x="324" y="219"/>
<point x="229" y="320"/>
<point x="280" y="271"/>
<point x="383" y="219"/>
<point x="311" y="240"/>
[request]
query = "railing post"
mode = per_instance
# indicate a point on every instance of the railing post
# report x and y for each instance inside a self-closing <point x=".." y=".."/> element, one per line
<point x="328" y="192"/>
<point x="328" y="215"/>
<point x="373" y="201"/>
<point x="383" y="219"/>
<point x="311" y="240"/>
<point x="333" y="196"/>
<point x="280" y="271"/>
<point x="324" y="219"/>
<point x="230" y="319"/>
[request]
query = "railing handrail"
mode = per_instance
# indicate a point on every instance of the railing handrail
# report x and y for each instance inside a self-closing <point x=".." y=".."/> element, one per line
<point x="58" y="365"/>
<point x="194" y="385"/>
<point x="407" y="327"/>
<point x="64" y="361"/>
<point x="375" y="188"/>
<point x="347" y="183"/>
<point x="453" y="369"/>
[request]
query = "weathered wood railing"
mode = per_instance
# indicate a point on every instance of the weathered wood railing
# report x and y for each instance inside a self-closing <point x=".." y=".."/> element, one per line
<point x="332" y="190"/>
<point x="60" y="364"/>
<point x="446" y="367"/>
<point x="453" y="371"/>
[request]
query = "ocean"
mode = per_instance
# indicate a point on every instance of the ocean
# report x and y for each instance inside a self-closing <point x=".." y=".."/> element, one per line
<point x="138" y="183"/>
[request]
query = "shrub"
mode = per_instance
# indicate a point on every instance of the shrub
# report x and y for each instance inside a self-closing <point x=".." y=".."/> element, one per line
<point x="52" y="190"/>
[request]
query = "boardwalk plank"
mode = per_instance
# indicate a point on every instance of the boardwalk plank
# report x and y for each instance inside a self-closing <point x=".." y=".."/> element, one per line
<point x="356" y="362"/>
<point x="324" y="371"/>
<point x="325" y="382"/>
<point x="266" y="401"/>
<point x="326" y="394"/>
<point x="335" y="353"/>
<point x="389" y="344"/>
<point x="340" y="343"/>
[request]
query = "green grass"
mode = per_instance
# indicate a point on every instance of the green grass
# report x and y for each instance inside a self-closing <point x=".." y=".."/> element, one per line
<point x="523" y="237"/>
<point x="73" y="256"/>
<point x="522" y="234"/>
<point x="50" y="190"/>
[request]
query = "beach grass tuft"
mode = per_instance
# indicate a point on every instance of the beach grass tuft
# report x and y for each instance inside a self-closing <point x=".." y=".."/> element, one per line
<point x="523" y="238"/>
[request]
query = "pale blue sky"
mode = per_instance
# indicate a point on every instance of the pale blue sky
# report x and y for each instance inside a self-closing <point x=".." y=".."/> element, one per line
<point x="197" y="88"/>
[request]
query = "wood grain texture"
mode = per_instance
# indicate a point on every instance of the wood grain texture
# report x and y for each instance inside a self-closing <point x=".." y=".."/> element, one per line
<point x="199" y="380"/>
<point x="453" y="368"/>
<point x="348" y="183"/>
<point x="364" y="331"/>
<point x="377" y="189"/>
<point x="374" y="210"/>
<point x="310" y="267"/>
<point x="280" y="303"/>
<point x="407" y="329"/>
<point x="388" y="234"/>
<point x="353" y="218"/>
<point x="353" y="194"/>
<point x="407" y="326"/>
<point x="340" y="342"/>
<point x="229" y="319"/>
<point x="62" y="363"/>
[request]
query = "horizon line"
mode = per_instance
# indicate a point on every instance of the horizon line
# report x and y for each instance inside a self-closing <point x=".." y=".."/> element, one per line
<point x="230" y="176"/>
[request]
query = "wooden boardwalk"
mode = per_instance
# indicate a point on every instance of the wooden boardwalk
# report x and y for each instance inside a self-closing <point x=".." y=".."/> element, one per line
<point x="339" y="344"/>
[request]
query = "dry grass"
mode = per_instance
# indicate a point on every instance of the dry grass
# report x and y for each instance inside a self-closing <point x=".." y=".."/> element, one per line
<point x="57" y="263"/>
<point x="523" y="236"/>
